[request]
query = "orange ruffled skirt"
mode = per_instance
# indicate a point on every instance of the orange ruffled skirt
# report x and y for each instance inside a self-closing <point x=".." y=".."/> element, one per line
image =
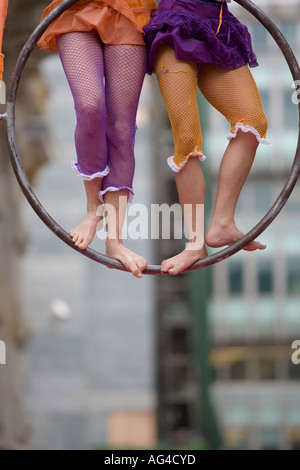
<point x="116" y="21"/>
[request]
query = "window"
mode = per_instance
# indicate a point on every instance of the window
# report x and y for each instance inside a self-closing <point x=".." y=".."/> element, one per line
<point x="267" y="368"/>
<point x="235" y="278"/>
<point x="259" y="35"/>
<point x="178" y="417"/>
<point x="293" y="276"/>
<point x="265" y="97"/>
<point x="294" y="201"/>
<point x="290" y="111"/>
<point x="179" y="379"/>
<point x="265" y="278"/>
<point x="289" y="30"/>
<point x="236" y="438"/>
<point x="262" y="196"/>
<point x="180" y="340"/>
<point x="294" y="371"/>
<point x="238" y="370"/>
<point x="295" y="439"/>
<point x="270" y="439"/>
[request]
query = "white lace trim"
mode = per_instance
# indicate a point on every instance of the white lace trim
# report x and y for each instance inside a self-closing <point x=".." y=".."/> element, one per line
<point x="113" y="189"/>
<point x="99" y="174"/>
<point x="177" y="169"/>
<point x="246" y="128"/>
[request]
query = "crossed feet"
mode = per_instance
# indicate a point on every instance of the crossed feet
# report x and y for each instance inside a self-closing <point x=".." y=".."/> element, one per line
<point x="216" y="237"/>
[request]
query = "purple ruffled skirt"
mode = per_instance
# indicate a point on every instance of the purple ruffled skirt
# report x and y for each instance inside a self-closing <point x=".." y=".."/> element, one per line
<point x="189" y="27"/>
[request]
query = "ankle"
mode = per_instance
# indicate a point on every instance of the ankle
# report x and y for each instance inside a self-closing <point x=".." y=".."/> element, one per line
<point x="223" y="222"/>
<point x="93" y="210"/>
<point x="113" y="242"/>
<point x="196" y="243"/>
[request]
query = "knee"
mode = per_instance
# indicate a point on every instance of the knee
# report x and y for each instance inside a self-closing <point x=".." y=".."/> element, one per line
<point x="122" y="133"/>
<point x="188" y="136"/>
<point x="256" y="123"/>
<point x="257" y="119"/>
<point x="90" y="113"/>
<point x="262" y="125"/>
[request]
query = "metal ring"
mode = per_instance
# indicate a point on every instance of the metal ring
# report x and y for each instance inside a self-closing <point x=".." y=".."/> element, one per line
<point x="90" y="253"/>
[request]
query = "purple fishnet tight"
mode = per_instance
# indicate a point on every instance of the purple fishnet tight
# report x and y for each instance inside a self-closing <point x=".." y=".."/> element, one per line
<point x="106" y="82"/>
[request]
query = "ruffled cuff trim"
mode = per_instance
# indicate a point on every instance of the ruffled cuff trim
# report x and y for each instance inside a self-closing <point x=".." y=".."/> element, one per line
<point x="177" y="168"/>
<point x="99" y="174"/>
<point x="113" y="189"/>
<point x="246" y="128"/>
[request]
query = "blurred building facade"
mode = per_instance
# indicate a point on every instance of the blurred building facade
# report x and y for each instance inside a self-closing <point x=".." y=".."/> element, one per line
<point x="254" y="309"/>
<point x="32" y="137"/>
<point x="252" y="301"/>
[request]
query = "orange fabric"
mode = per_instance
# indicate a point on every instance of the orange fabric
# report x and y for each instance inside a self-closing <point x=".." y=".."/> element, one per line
<point x="3" y="14"/>
<point x="220" y="18"/>
<point x="117" y="21"/>
<point x="231" y="92"/>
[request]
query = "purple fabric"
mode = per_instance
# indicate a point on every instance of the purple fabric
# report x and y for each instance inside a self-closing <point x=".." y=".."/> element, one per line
<point x="189" y="27"/>
<point x="82" y="58"/>
<point x="106" y="82"/>
<point x="125" y="69"/>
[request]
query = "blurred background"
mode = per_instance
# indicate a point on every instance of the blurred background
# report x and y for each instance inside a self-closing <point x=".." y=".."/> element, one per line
<point x="99" y="360"/>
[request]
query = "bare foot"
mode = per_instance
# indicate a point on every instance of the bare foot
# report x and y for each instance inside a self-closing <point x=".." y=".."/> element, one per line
<point x="226" y="235"/>
<point x="184" y="260"/>
<point x="134" y="263"/>
<point x="84" y="233"/>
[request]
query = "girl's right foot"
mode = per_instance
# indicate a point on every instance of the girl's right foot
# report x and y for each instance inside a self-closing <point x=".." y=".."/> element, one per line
<point x="85" y="232"/>
<point x="134" y="263"/>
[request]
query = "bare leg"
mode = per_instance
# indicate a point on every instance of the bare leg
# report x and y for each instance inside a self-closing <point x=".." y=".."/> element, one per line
<point x="115" y="209"/>
<point x="234" y="94"/>
<point x="191" y="191"/>
<point x="234" y="170"/>
<point x="177" y="81"/>
<point x="84" y="233"/>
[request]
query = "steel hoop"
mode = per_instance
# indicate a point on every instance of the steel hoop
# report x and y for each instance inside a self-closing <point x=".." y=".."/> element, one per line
<point x="9" y="118"/>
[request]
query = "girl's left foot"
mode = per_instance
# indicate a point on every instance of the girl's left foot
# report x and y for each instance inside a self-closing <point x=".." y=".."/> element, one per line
<point x="134" y="263"/>
<point x="226" y="235"/>
<point x="184" y="260"/>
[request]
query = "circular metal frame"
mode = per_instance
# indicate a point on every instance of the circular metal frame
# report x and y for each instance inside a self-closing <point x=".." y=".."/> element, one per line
<point x="9" y="117"/>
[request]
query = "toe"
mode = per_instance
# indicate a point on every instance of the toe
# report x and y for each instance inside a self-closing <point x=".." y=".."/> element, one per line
<point x="166" y="266"/>
<point x="174" y="271"/>
<point x="79" y="241"/>
<point x="132" y="267"/>
<point x="255" y="246"/>
<point x="164" y="269"/>
<point x="83" y="245"/>
<point x="75" y="238"/>
<point x="142" y="264"/>
<point x="136" y="271"/>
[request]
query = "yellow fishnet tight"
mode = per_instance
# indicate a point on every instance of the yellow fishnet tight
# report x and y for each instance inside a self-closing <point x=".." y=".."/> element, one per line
<point x="232" y="92"/>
